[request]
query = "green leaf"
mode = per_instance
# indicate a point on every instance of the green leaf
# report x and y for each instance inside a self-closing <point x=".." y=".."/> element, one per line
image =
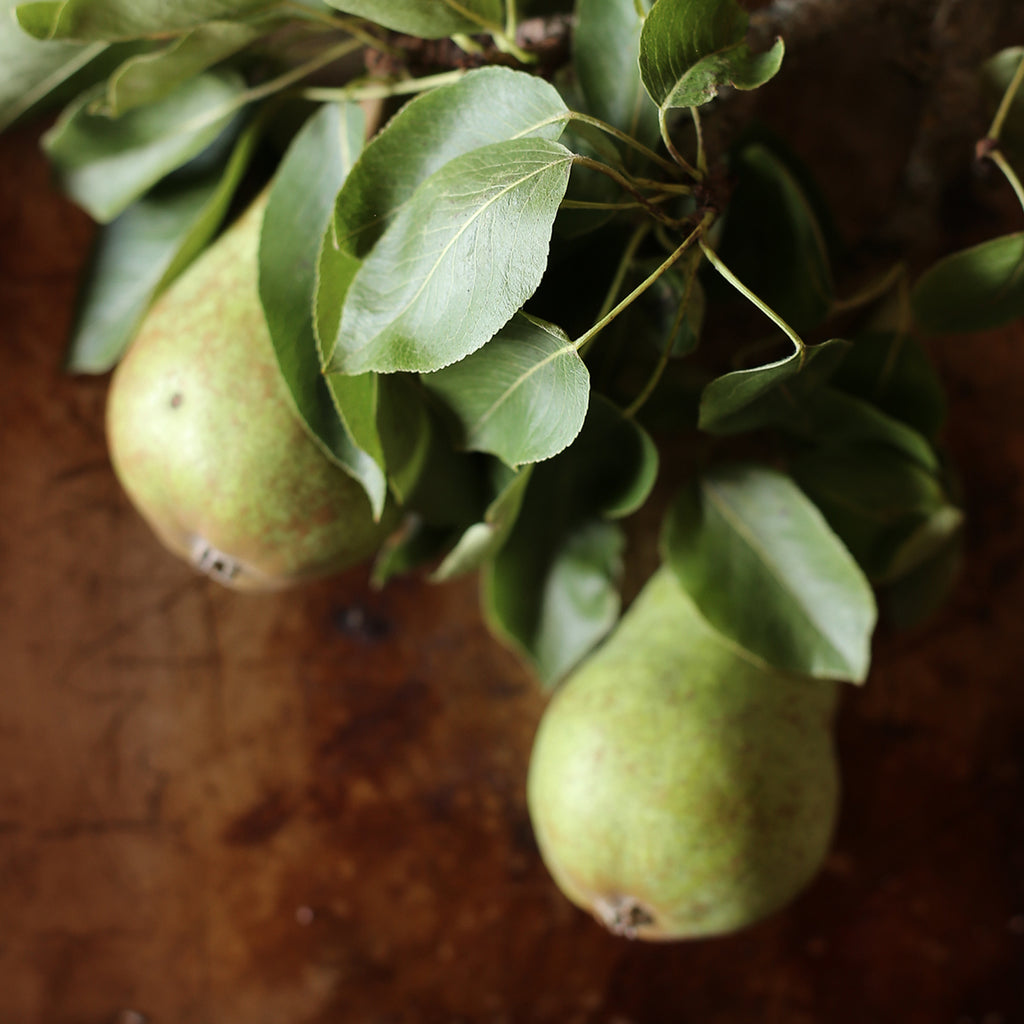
<point x="429" y="19"/>
<point x="125" y="19"/>
<point x="430" y="478"/>
<point x="484" y="539"/>
<point x="139" y="253"/>
<point x="31" y="70"/>
<point x="726" y="397"/>
<point x="522" y="397"/>
<point x="106" y="164"/>
<point x="830" y="415"/>
<point x="357" y="403"/>
<point x="683" y="323"/>
<point x="766" y="570"/>
<point x="148" y="77"/>
<point x="551" y="591"/>
<point x="915" y="596"/>
<point x="891" y="512"/>
<point x="690" y="49"/>
<point x="485" y="106"/>
<point x="773" y="239"/>
<point x="406" y="431"/>
<point x="974" y="289"/>
<point x="299" y="205"/>
<point x="412" y="547"/>
<point x="555" y="620"/>
<point x="606" y="46"/>
<point x="457" y="261"/>
<point x="892" y="371"/>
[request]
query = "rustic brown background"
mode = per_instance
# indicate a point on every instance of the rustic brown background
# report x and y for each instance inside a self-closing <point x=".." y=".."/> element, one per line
<point x="309" y="809"/>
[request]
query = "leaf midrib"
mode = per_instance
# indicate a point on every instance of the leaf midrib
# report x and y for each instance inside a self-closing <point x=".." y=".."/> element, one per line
<point x="738" y="524"/>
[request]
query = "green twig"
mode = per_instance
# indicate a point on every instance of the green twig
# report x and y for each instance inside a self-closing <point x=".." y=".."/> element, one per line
<point x="511" y="19"/>
<point x="1003" y="164"/>
<point x="274" y="85"/>
<point x="722" y="269"/>
<point x="671" y="147"/>
<point x="296" y="74"/>
<point x="467" y="44"/>
<point x="624" y="183"/>
<point x="674" y="187"/>
<point x="625" y="262"/>
<point x="608" y="129"/>
<point x="694" y="236"/>
<point x="1006" y="103"/>
<point x="378" y="89"/>
<point x="583" y="204"/>
<point x="666" y="355"/>
<point x="702" y="157"/>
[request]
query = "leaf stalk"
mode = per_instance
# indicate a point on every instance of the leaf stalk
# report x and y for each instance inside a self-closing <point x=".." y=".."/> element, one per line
<point x="694" y="236"/>
<point x="1006" y="103"/>
<point x="729" y="276"/>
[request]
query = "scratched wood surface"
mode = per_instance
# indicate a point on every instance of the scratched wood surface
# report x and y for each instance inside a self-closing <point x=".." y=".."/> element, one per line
<point x="308" y="809"/>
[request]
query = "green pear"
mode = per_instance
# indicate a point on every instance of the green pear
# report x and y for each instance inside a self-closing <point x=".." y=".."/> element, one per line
<point x="204" y="439"/>
<point x="677" y="788"/>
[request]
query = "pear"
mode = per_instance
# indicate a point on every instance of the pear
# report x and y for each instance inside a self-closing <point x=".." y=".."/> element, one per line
<point x="204" y="439"/>
<point x="677" y="788"/>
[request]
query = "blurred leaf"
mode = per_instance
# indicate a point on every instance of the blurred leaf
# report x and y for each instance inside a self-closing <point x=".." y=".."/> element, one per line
<point x="551" y="591"/>
<point x="671" y="287"/>
<point x="892" y="371"/>
<point x="766" y="570"/>
<point x="299" y="206"/>
<point x="974" y="289"/>
<point x="412" y="547"/>
<point x="728" y="396"/>
<point x="443" y="486"/>
<point x="138" y="254"/>
<point x="357" y="403"/>
<point x="484" y="539"/>
<point x="522" y="397"/>
<point x="29" y="69"/>
<point x="428" y="20"/>
<point x="555" y="619"/>
<point x="106" y="164"/>
<point x="148" y="77"/>
<point x="690" y="49"/>
<point x="460" y="257"/>
<point x="917" y="595"/>
<point x="830" y="415"/>
<point x="606" y="45"/>
<point x="925" y="542"/>
<point x="773" y="239"/>
<point x="406" y="434"/>
<point x="485" y="106"/>
<point x="891" y="512"/>
<point x="125" y="19"/>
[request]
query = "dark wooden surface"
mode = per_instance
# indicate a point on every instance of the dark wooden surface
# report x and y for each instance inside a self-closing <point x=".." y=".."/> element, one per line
<point x="309" y="808"/>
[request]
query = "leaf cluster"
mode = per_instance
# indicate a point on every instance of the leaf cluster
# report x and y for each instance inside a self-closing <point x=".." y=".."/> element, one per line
<point x="508" y="302"/>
